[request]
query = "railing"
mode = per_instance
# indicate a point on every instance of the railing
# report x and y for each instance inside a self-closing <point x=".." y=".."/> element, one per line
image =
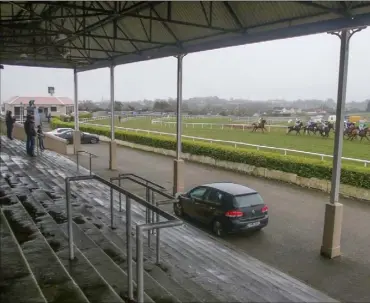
<point x="78" y="160"/>
<point x="84" y="120"/>
<point x="172" y="222"/>
<point x="215" y="125"/>
<point x="241" y="144"/>
<point x="151" y="189"/>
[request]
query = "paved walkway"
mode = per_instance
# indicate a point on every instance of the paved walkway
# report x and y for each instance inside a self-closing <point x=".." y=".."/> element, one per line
<point x="292" y="240"/>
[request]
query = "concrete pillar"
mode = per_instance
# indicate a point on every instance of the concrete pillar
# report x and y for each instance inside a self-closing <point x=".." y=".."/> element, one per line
<point x="112" y="144"/>
<point x="76" y="141"/>
<point x="332" y="230"/>
<point x="112" y="155"/>
<point x="178" y="176"/>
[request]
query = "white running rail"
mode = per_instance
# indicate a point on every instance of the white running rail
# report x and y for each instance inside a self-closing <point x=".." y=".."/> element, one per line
<point x="238" y="144"/>
<point x="215" y="125"/>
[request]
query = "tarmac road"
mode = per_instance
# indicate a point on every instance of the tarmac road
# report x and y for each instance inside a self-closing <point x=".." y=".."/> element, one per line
<point x="292" y="240"/>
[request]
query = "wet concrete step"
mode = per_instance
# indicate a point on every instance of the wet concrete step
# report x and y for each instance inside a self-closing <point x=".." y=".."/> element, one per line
<point x="91" y="237"/>
<point x="93" y="285"/>
<point x="178" y="282"/>
<point x="175" y="281"/>
<point x="54" y="281"/>
<point x="17" y="283"/>
<point x="208" y="263"/>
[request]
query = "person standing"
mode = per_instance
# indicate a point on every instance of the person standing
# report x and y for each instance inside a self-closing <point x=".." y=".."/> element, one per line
<point x="29" y="128"/>
<point x="9" y="121"/>
<point x="40" y="136"/>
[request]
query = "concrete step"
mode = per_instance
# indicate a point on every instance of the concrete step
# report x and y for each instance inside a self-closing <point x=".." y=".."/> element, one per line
<point x="91" y="237"/>
<point x="94" y="286"/>
<point x="186" y="290"/>
<point x="54" y="281"/>
<point x="193" y="259"/>
<point x="17" y="283"/>
<point x="178" y="285"/>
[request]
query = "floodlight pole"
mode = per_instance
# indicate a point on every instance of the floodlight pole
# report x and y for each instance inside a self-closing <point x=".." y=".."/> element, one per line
<point x="334" y="210"/>
<point x="178" y="178"/>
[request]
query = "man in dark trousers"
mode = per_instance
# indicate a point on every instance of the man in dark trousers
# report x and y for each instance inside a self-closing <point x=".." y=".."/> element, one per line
<point x="29" y="128"/>
<point x="9" y="120"/>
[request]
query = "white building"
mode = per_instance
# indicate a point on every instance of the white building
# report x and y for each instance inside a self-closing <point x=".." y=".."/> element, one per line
<point x="56" y="106"/>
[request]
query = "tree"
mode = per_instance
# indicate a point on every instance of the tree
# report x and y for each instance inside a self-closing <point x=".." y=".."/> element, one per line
<point x="161" y="106"/>
<point x="118" y="106"/>
<point x="368" y="106"/>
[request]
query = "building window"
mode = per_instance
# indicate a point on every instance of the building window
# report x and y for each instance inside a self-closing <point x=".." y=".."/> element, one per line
<point x="53" y="109"/>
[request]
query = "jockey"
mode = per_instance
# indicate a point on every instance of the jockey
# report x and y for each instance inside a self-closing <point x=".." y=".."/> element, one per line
<point x="361" y="126"/>
<point x="297" y="121"/>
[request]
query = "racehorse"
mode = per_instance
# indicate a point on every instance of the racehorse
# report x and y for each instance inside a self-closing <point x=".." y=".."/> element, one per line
<point x="310" y="128"/>
<point x="355" y="131"/>
<point x="259" y="125"/>
<point x="297" y="128"/>
<point x="325" y="129"/>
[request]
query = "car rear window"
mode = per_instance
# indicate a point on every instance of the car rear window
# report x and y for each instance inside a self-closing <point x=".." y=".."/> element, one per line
<point x="248" y="200"/>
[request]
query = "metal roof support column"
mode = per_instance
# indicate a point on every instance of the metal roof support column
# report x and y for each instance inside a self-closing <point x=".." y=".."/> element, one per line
<point x="334" y="210"/>
<point x="1" y="102"/>
<point x="178" y="165"/>
<point x="112" y="144"/>
<point x="76" y="133"/>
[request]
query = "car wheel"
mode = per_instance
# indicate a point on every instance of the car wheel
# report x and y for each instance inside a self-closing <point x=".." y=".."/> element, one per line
<point x="218" y="229"/>
<point x="93" y="141"/>
<point x="178" y="209"/>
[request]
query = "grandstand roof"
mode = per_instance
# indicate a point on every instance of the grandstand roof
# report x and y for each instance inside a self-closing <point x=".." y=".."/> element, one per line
<point x="94" y="34"/>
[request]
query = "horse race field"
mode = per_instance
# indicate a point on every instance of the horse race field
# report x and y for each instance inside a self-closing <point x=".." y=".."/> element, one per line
<point x="276" y="138"/>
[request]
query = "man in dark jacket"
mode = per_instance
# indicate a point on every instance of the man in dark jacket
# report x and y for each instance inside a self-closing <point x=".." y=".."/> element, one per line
<point x="29" y="128"/>
<point x="9" y="121"/>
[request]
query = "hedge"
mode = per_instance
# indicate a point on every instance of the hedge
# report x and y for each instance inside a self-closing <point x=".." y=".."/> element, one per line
<point x="308" y="168"/>
<point x="67" y="118"/>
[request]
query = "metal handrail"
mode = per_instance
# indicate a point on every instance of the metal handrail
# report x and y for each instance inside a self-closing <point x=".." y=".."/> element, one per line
<point x="150" y="191"/>
<point x="91" y="155"/>
<point x="172" y="222"/>
<point x="142" y="179"/>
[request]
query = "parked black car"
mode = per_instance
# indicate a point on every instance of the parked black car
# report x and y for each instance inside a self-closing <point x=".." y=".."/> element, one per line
<point x="226" y="207"/>
<point x="86" y="138"/>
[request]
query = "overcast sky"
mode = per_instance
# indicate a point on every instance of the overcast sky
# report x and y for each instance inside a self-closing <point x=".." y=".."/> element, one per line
<point x="305" y="67"/>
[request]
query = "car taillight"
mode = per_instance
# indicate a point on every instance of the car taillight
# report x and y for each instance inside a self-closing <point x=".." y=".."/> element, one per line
<point x="265" y="209"/>
<point x="234" y="214"/>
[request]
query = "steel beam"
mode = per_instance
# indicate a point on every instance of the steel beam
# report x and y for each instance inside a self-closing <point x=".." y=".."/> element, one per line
<point x="1" y="102"/>
<point x="75" y="83"/>
<point x="112" y="102"/>
<point x="334" y="210"/>
<point x="178" y="106"/>
<point x="112" y="144"/>
<point x="178" y="167"/>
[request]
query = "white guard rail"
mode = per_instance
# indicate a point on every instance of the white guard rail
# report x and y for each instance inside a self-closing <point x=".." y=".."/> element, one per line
<point x="215" y="125"/>
<point x="240" y="144"/>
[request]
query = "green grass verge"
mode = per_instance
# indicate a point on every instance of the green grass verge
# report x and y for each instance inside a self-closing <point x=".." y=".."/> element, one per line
<point x="309" y="168"/>
<point x="277" y="138"/>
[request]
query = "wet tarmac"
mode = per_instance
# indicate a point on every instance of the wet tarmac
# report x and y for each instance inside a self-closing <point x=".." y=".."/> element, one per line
<point x="291" y="242"/>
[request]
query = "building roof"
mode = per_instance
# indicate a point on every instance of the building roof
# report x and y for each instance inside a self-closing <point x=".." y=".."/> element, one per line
<point x="231" y="188"/>
<point x="94" y="34"/>
<point x="41" y="100"/>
